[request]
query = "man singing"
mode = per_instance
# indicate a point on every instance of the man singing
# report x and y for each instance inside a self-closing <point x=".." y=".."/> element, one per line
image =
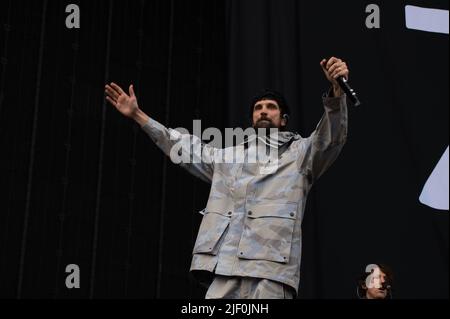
<point x="249" y="241"/>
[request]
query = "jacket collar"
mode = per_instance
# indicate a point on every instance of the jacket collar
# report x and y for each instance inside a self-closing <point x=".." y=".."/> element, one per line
<point x="278" y="139"/>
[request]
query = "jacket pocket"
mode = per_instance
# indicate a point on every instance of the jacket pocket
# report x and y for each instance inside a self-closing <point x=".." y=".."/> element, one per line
<point x="212" y="230"/>
<point x="268" y="232"/>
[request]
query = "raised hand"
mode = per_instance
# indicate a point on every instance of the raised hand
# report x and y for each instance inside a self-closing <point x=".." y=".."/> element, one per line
<point x="123" y="102"/>
<point x="334" y="68"/>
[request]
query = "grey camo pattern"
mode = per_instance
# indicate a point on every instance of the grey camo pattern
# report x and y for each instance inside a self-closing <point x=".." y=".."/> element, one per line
<point x="224" y="287"/>
<point x="252" y="222"/>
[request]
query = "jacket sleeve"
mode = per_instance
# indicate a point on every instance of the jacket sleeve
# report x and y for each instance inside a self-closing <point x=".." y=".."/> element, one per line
<point x="184" y="149"/>
<point x="326" y="142"/>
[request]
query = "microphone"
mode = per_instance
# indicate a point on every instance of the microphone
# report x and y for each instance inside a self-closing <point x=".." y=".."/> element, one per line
<point x="343" y="83"/>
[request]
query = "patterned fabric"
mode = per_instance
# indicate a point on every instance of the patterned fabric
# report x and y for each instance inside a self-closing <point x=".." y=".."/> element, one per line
<point x="224" y="287"/>
<point x="252" y="222"/>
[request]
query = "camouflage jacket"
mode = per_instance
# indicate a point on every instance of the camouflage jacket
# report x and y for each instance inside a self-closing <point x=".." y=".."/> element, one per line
<point x="251" y="225"/>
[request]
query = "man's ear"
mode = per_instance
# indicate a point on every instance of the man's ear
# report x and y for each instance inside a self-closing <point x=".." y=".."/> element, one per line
<point x="284" y="120"/>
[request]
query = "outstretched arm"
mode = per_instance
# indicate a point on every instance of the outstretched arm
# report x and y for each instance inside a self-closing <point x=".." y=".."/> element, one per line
<point x="183" y="149"/>
<point x="126" y="103"/>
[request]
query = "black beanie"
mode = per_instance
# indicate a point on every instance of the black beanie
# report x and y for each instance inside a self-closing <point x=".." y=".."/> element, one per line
<point x="268" y="94"/>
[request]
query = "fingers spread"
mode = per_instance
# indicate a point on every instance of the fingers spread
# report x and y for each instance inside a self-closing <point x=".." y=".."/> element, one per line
<point x="117" y="88"/>
<point x="111" y="101"/>
<point x="111" y="92"/>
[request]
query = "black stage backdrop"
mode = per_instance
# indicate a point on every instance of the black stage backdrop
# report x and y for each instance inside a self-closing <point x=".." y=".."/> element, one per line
<point x="82" y="185"/>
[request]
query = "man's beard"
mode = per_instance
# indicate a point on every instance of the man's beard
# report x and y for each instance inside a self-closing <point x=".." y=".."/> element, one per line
<point x="264" y="123"/>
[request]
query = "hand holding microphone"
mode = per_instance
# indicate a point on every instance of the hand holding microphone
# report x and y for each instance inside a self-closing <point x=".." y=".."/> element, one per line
<point x="337" y="72"/>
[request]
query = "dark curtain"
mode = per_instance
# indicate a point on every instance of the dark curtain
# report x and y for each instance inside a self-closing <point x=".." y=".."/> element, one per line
<point x="82" y="185"/>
